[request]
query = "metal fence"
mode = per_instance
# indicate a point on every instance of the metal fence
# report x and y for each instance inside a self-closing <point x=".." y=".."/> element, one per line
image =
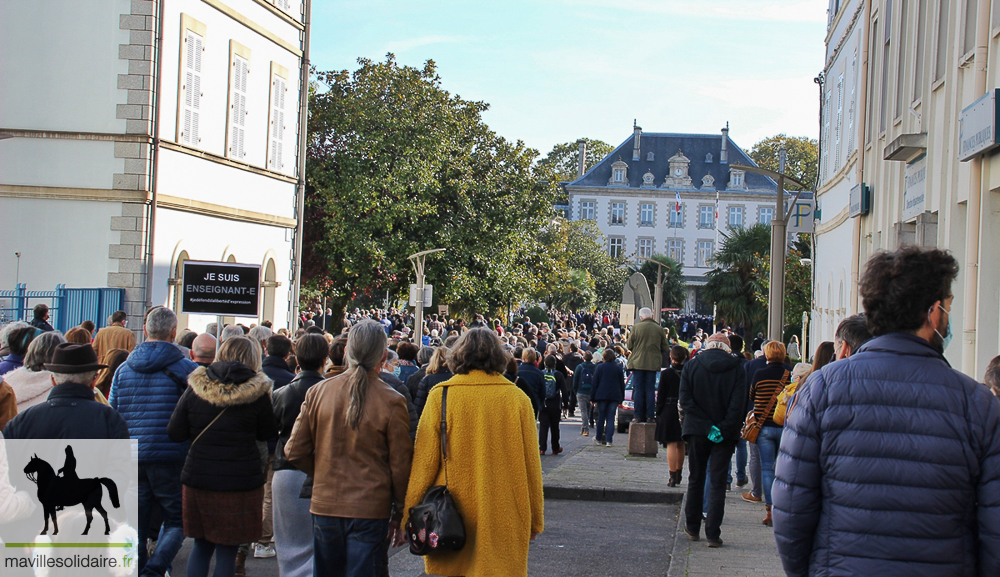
<point x="68" y="307"/>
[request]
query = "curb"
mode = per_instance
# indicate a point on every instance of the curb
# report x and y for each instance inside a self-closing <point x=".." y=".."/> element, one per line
<point x="613" y="495"/>
<point x="681" y="548"/>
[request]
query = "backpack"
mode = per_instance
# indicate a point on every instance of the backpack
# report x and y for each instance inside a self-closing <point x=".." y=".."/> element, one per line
<point x="587" y="377"/>
<point x="781" y="408"/>
<point x="551" y="388"/>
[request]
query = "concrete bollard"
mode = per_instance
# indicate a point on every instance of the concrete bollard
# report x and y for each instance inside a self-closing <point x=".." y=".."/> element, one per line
<point x="642" y="439"/>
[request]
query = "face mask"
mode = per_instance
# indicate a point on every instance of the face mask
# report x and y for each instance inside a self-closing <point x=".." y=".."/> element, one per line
<point x="947" y="336"/>
<point x="395" y="370"/>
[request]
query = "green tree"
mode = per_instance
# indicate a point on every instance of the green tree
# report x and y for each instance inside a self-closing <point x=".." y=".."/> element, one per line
<point x="801" y="161"/>
<point x="397" y="165"/>
<point x="674" y="292"/>
<point x="562" y="162"/>
<point x="580" y="245"/>
<point x="740" y="277"/>
<point x="798" y="291"/>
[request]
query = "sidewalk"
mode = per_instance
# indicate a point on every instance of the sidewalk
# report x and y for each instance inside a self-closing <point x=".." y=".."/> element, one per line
<point x="609" y="474"/>
<point x="748" y="545"/>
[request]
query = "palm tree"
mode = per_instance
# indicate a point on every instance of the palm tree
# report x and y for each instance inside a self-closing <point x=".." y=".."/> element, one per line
<point x="674" y="292"/>
<point x="738" y="281"/>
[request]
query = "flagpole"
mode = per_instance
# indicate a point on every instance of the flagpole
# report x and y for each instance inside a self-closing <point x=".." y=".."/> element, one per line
<point x="715" y="248"/>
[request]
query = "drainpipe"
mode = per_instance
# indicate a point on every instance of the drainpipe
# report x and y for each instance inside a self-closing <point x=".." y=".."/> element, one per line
<point x="303" y="134"/>
<point x="854" y="305"/>
<point x="970" y="300"/>
<point x="155" y="158"/>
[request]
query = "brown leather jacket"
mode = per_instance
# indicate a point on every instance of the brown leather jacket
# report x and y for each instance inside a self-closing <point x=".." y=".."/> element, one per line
<point x="360" y="474"/>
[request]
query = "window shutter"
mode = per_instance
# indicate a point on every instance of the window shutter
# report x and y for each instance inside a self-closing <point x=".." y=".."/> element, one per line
<point x="195" y="45"/>
<point x="238" y="107"/>
<point x="278" y="90"/>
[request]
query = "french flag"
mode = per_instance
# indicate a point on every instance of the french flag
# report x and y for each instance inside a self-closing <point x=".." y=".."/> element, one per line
<point x="678" y="207"/>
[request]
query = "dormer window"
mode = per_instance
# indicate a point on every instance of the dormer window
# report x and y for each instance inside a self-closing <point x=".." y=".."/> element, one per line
<point x="619" y="174"/>
<point x="708" y="158"/>
<point x="649" y="156"/>
<point x="707" y="181"/>
<point x="648" y="178"/>
<point x="737" y="179"/>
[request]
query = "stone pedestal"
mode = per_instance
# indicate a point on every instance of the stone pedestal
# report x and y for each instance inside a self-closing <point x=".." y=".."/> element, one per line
<point x="642" y="439"/>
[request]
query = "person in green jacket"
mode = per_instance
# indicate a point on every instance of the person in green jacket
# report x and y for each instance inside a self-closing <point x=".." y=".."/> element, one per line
<point x="648" y="342"/>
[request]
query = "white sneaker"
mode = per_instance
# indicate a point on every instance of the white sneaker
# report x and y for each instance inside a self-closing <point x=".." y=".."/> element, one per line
<point x="609" y="443"/>
<point x="263" y="551"/>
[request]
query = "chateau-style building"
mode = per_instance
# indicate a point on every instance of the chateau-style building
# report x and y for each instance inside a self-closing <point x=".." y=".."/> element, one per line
<point x="633" y="194"/>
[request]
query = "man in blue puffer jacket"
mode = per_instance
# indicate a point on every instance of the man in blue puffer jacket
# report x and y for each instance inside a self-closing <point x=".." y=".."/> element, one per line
<point x="890" y="459"/>
<point x="145" y="391"/>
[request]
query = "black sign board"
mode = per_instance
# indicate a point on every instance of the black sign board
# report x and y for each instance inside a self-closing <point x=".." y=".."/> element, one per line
<point x="221" y="288"/>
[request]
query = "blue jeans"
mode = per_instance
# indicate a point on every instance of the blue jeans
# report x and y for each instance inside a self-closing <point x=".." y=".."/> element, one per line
<point x="344" y="547"/>
<point x="160" y="486"/>
<point x="741" y="460"/>
<point x="606" y="420"/>
<point x="768" y="443"/>
<point x="201" y="557"/>
<point x="644" y="394"/>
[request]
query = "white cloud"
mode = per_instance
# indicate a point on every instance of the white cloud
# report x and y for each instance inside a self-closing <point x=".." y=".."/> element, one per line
<point x="401" y="46"/>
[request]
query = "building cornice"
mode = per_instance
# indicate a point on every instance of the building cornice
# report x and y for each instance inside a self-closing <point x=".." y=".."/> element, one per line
<point x="839" y="176"/>
<point x="220" y="211"/>
<point x="74" y="135"/>
<point x="228" y="11"/>
<point x="281" y="14"/>
<point x="225" y="160"/>
<point x="71" y="193"/>
<point x="843" y="38"/>
<point x="665" y="194"/>
<point x="838" y="220"/>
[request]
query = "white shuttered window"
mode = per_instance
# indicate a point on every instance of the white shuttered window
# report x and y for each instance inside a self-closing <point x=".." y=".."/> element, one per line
<point x="276" y="138"/>
<point x="194" y="46"/>
<point x="238" y="106"/>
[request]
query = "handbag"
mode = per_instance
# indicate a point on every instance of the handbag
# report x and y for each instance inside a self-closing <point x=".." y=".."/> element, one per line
<point x="754" y="422"/>
<point x="436" y="525"/>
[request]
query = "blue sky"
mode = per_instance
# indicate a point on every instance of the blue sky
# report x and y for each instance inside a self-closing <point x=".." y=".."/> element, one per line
<point x="557" y="70"/>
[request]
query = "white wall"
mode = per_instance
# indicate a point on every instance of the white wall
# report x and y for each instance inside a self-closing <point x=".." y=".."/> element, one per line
<point x="60" y="241"/>
<point x="60" y="66"/>
<point x="216" y="72"/>
<point x="214" y="239"/>
<point x="58" y="162"/>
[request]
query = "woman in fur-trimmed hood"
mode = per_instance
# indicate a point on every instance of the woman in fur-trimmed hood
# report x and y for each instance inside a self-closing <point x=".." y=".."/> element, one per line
<point x="225" y="411"/>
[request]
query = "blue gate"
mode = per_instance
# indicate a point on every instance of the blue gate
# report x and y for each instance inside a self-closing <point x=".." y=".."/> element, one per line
<point x="67" y="307"/>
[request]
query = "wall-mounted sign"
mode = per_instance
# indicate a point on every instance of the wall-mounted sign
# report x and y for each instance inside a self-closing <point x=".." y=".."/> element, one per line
<point x="914" y="188"/>
<point x="428" y="296"/>
<point x="803" y="216"/>
<point x="860" y="200"/>
<point x="221" y="288"/>
<point x="977" y="131"/>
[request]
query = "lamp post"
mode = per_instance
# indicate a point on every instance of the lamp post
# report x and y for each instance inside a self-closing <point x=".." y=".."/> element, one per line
<point x="417" y="260"/>
<point x="17" y="276"/>
<point x="658" y="293"/>
<point x="779" y="245"/>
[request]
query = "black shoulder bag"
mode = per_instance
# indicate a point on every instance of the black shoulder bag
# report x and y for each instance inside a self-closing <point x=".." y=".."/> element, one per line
<point x="435" y="525"/>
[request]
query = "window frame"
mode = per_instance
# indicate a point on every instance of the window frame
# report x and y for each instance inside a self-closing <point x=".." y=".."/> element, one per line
<point x="711" y="216"/>
<point x="729" y="215"/>
<point x="760" y="214"/>
<point x="611" y="212"/>
<point x="593" y="209"/>
<point x="620" y="245"/>
<point x="189" y="24"/>
<point x="699" y="261"/>
<point x="652" y="214"/>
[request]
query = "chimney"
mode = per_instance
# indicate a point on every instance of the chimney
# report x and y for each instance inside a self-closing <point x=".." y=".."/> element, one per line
<point x="583" y="157"/>
<point x="724" y="155"/>
<point x="637" y="136"/>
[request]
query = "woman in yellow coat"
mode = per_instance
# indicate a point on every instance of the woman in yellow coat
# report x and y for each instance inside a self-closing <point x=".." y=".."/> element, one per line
<point x="494" y="471"/>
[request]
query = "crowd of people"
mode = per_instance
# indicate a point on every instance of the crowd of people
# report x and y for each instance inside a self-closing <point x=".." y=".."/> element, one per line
<point x="313" y="446"/>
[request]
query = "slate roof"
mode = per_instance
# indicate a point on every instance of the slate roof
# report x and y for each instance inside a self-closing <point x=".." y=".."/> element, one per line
<point x="665" y="145"/>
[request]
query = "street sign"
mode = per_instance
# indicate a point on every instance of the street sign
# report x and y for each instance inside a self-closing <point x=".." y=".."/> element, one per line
<point x="415" y="294"/>
<point x="860" y="200"/>
<point x="442" y="311"/>
<point x="977" y="131"/>
<point x="914" y="188"/>
<point x="221" y="288"/>
<point x="802" y="218"/>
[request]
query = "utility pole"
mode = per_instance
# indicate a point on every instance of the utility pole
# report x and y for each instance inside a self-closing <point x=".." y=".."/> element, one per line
<point x="779" y="244"/>
<point x="417" y="260"/>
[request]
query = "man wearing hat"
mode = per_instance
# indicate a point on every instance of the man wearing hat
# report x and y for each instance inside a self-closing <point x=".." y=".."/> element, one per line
<point x="70" y="411"/>
<point x="713" y="396"/>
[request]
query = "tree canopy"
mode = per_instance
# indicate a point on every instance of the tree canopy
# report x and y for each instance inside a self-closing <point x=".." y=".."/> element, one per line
<point x="740" y="277"/>
<point x="579" y="246"/>
<point x="801" y="161"/>
<point x="562" y="162"/>
<point x="397" y="165"/>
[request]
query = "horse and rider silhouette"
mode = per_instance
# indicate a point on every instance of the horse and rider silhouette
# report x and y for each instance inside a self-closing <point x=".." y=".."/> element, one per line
<point x="56" y="492"/>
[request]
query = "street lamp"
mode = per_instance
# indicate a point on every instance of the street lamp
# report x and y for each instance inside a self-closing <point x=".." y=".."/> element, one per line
<point x="417" y="260"/>
<point x="779" y="226"/>
<point x="658" y="294"/>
